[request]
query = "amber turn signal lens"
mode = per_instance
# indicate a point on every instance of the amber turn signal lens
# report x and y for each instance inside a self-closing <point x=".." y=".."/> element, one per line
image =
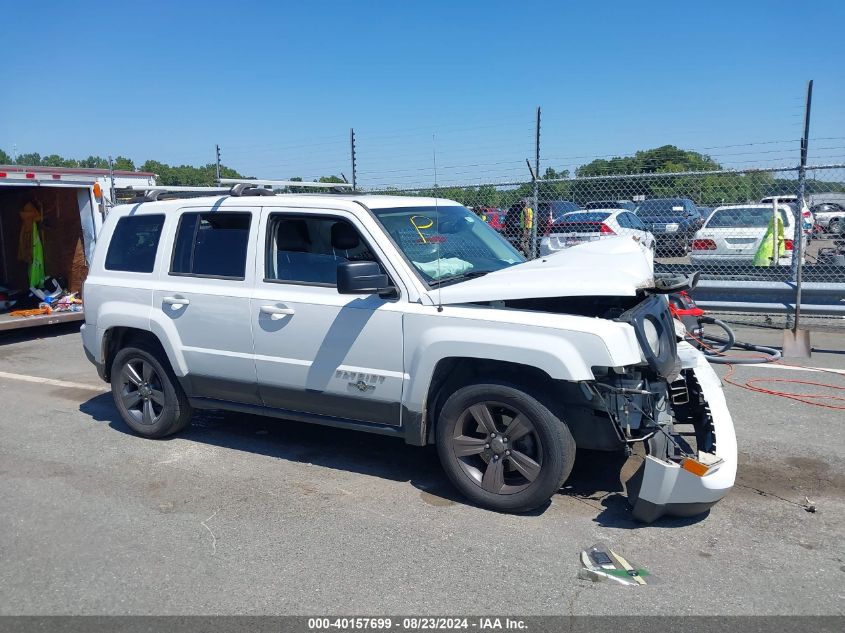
<point x="98" y="191"/>
<point x="696" y="468"/>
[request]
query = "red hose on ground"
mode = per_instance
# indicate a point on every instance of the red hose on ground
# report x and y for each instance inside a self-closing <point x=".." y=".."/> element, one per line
<point x="806" y="398"/>
<point x="751" y="384"/>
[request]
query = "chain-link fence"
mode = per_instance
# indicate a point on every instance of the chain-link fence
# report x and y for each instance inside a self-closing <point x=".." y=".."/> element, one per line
<point x="729" y="225"/>
<point x="744" y="231"/>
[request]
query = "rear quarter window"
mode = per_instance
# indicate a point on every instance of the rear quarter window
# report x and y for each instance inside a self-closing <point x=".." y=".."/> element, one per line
<point x="134" y="244"/>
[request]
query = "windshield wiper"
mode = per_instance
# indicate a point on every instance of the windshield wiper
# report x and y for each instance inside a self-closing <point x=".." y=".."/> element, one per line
<point x="471" y="274"/>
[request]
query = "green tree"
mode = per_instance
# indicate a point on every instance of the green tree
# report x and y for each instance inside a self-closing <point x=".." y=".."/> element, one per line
<point x="54" y="160"/>
<point x="5" y="159"/>
<point x="124" y="164"/>
<point x="94" y="162"/>
<point x="32" y="159"/>
<point x="159" y="169"/>
<point x="187" y="175"/>
<point x="667" y="158"/>
<point x="600" y="179"/>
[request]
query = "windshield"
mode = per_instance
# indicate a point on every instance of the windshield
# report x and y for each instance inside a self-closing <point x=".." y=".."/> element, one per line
<point x="744" y="217"/>
<point x="447" y="242"/>
<point x="661" y="207"/>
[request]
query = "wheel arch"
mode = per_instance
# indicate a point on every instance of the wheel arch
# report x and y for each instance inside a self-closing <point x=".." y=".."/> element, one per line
<point x="433" y="352"/>
<point x="119" y="337"/>
<point x="453" y="372"/>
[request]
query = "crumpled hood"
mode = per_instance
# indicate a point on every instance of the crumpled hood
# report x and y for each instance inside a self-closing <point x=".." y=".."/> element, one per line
<point x="615" y="266"/>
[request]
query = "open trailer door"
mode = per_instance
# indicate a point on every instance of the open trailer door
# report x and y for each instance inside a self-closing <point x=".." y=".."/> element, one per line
<point x="49" y="222"/>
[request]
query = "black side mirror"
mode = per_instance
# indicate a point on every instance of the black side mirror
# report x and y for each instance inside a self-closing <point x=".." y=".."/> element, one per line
<point x="360" y="278"/>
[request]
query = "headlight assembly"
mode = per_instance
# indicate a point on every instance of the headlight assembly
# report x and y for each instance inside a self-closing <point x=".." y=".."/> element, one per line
<point x="655" y="332"/>
<point x="651" y="329"/>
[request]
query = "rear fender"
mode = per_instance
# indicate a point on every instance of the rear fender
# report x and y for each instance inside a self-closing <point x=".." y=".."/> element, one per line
<point x="131" y="315"/>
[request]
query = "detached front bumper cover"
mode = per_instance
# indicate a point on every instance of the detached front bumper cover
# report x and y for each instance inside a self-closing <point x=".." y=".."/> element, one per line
<point x="667" y="488"/>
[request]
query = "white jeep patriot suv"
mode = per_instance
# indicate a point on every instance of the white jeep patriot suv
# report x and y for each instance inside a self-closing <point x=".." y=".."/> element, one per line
<point x="411" y="317"/>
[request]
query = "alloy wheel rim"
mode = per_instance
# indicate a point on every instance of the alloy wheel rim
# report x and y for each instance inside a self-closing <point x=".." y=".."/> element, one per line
<point x="497" y="447"/>
<point x="141" y="392"/>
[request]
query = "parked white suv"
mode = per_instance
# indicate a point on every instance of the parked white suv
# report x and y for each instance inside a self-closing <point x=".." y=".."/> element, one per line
<point x="410" y="317"/>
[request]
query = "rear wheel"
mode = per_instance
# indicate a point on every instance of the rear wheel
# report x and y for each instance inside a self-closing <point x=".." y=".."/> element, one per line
<point x="502" y="448"/>
<point x="835" y="226"/>
<point x="146" y="393"/>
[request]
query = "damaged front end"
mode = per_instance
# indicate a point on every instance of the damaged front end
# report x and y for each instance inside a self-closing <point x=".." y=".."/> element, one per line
<point x="671" y="415"/>
<point x="666" y="409"/>
<point x="689" y="479"/>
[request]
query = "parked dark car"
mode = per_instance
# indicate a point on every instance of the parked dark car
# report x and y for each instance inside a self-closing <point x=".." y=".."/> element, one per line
<point x="548" y="214"/>
<point x="673" y="222"/>
<point x="611" y="204"/>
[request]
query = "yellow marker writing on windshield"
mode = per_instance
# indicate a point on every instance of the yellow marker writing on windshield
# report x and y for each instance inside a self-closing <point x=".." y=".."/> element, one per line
<point x="421" y="227"/>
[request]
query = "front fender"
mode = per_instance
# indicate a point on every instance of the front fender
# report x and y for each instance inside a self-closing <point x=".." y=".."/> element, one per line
<point x="562" y="354"/>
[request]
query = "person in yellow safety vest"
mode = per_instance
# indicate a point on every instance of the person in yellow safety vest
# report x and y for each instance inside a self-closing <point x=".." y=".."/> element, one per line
<point x="765" y="255"/>
<point x="526" y="221"/>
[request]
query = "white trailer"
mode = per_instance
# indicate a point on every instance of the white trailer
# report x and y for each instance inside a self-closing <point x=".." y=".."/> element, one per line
<point x="72" y="203"/>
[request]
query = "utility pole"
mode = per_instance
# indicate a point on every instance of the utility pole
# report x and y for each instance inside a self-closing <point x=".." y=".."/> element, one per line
<point x="111" y="181"/>
<point x="534" y="215"/>
<point x="797" y="342"/>
<point x="352" y="154"/>
<point x="217" y="151"/>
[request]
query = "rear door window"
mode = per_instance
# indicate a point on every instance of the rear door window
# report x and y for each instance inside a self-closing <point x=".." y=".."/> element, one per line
<point x="211" y="245"/>
<point x="134" y="243"/>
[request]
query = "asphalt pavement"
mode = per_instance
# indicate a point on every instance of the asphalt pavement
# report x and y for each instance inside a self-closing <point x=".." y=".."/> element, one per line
<point x="245" y="515"/>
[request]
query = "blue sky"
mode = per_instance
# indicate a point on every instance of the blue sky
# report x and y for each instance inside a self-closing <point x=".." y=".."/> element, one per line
<point x="279" y="84"/>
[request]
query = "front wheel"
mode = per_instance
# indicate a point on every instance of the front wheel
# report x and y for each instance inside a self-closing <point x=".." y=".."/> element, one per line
<point x="502" y="448"/>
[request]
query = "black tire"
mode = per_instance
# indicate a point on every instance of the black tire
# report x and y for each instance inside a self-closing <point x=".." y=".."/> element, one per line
<point x="835" y="226"/>
<point x="548" y="445"/>
<point x="170" y="411"/>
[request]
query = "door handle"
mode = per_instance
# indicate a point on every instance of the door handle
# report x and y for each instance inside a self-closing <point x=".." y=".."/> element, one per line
<point x="176" y="302"/>
<point x="277" y="313"/>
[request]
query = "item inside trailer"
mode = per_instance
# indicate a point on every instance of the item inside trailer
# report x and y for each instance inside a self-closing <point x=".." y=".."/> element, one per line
<point x="30" y="265"/>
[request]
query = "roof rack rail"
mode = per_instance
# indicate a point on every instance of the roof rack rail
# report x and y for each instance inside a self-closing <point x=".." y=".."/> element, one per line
<point x="244" y="189"/>
<point x="279" y="184"/>
<point x="151" y="193"/>
<point x="228" y="186"/>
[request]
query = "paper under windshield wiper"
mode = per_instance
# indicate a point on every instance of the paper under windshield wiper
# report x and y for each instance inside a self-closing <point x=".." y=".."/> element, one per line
<point x="455" y="278"/>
